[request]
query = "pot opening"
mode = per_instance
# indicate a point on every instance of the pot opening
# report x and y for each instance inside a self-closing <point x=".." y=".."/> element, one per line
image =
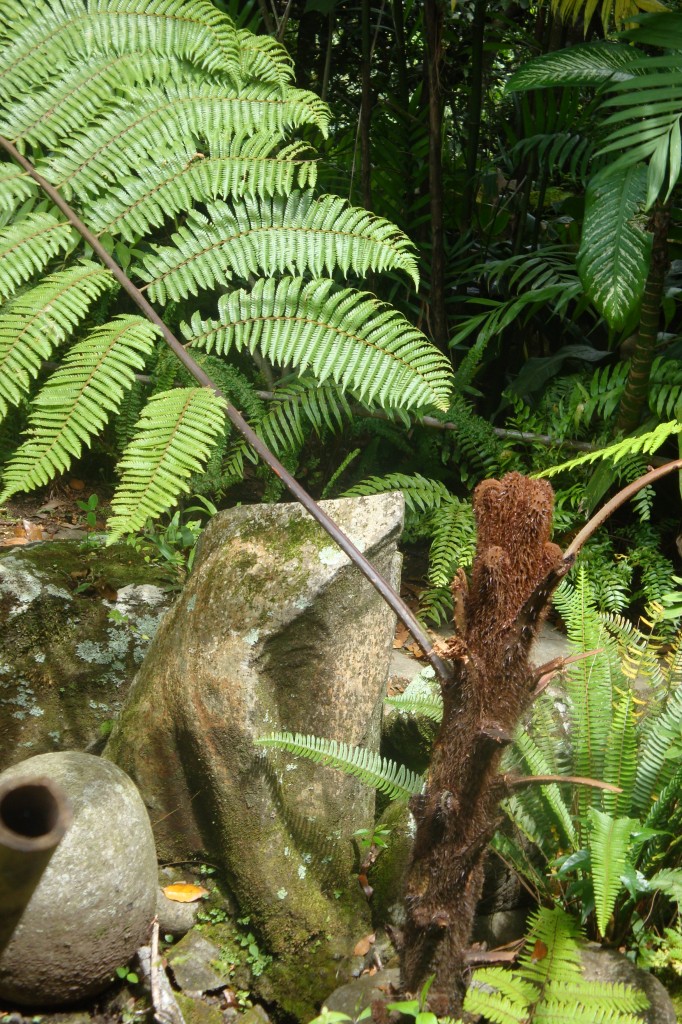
<point x="30" y="810"/>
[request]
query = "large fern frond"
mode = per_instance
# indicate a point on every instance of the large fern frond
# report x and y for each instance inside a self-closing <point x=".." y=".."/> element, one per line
<point x="397" y="781"/>
<point x="419" y="492"/>
<point x="454" y="540"/>
<point x="15" y="186"/>
<point x="78" y="399"/>
<point x="175" y="434"/>
<point x="342" y="334"/>
<point x="647" y="443"/>
<point x="192" y="30"/>
<point x="158" y="192"/>
<point x="620" y="764"/>
<point x="655" y="767"/>
<point x="178" y="119"/>
<point x="39" y="320"/>
<point x="293" y="235"/>
<point x="28" y="246"/>
<point x="536" y="764"/>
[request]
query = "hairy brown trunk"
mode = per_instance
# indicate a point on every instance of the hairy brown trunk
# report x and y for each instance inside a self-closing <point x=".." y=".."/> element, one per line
<point x="636" y="390"/>
<point x="433" y="29"/>
<point x="514" y="575"/>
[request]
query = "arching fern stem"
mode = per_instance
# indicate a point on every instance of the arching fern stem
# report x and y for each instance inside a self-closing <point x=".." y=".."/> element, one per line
<point x="392" y="598"/>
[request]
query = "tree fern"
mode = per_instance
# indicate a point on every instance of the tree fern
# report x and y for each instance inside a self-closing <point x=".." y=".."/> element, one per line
<point x="175" y="435"/>
<point x="398" y="782"/>
<point x="39" y="320"/>
<point x="78" y="399"/>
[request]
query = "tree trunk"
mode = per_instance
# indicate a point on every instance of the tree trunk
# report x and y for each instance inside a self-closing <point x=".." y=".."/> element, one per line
<point x="474" y="113"/>
<point x="636" y="390"/>
<point x="366" y="109"/>
<point x="514" y="575"/>
<point x="433" y="28"/>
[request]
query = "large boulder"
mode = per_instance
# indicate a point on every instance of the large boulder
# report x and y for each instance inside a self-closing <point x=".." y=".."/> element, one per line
<point x="75" y="622"/>
<point x="275" y="630"/>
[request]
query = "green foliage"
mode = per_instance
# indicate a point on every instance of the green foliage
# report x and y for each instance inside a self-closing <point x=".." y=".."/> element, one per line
<point x="398" y="782"/>
<point x="180" y="139"/>
<point x="548" y="984"/>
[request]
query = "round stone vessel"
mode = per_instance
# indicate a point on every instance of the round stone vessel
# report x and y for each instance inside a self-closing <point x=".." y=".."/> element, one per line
<point x="95" y="890"/>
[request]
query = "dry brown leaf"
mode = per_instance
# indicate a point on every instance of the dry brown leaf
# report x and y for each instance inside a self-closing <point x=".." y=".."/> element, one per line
<point x="401" y="636"/>
<point x="364" y="945"/>
<point x="76" y="485"/>
<point x="13" y="542"/>
<point x="539" y="952"/>
<point x="184" y="892"/>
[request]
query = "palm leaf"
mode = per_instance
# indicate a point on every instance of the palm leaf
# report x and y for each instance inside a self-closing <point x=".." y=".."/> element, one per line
<point x="339" y="334"/>
<point x="78" y="399"/>
<point x="609" y="841"/>
<point x="41" y="319"/>
<point x="293" y="235"/>
<point x="398" y="782"/>
<point x="615" y="247"/>
<point x="28" y="246"/>
<point x="175" y="434"/>
<point x="588" y="65"/>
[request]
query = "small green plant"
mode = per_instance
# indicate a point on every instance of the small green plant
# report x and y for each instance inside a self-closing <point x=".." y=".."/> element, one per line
<point x="256" y="959"/>
<point x="90" y="509"/>
<point x="125" y="974"/>
<point x="368" y="837"/>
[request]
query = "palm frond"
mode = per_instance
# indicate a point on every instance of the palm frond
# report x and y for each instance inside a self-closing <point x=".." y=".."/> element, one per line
<point x="78" y="399"/>
<point x="348" y="336"/>
<point x="28" y="246"/>
<point x="587" y="64"/>
<point x="293" y="235"/>
<point x="398" y="782"/>
<point x="615" y="247"/>
<point x="39" y="320"/>
<point x="175" y="434"/>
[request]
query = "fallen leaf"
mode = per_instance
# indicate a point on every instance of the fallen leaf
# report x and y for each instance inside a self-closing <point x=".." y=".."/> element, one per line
<point x="12" y="542"/>
<point x="76" y="485"/>
<point x="184" y="892"/>
<point x="364" y="945"/>
<point x="539" y="952"/>
<point x="401" y="636"/>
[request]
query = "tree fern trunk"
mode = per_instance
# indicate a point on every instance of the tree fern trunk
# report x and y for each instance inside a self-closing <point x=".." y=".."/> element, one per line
<point x="515" y="572"/>
<point x="366" y="109"/>
<point x="433" y="27"/>
<point x="636" y="391"/>
<point x="474" y="112"/>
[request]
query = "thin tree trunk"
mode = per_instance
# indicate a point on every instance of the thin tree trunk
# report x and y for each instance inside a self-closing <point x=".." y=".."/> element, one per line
<point x="474" y="112"/>
<point x="366" y="108"/>
<point x="514" y="574"/>
<point x="636" y="392"/>
<point x="433" y="27"/>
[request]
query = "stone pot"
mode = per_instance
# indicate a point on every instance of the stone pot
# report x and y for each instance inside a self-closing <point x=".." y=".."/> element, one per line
<point x="78" y="877"/>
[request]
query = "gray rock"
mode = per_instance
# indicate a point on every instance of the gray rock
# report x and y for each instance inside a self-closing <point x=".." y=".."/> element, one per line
<point x="94" y="902"/>
<point x="275" y="630"/>
<point x="354" y="996"/>
<point x="607" y="965"/>
<point x="65" y="664"/>
<point x="192" y="961"/>
<point x="175" y="918"/>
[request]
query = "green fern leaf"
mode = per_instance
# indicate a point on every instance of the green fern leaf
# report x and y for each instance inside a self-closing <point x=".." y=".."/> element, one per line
<point x="620" y="764"/>
<point x="615" y="248"/>
<point x="655" y="768"/>
<point x="648" y="442"/>
<point x="48" y="36"/>
<point x="78" y="399"/>
<point x="41" y="319"/>
<point x="419" y="492"/>
<point x="341" y="334"/>
<point x="293" y="235"/>
<point x="609" y="842"/>
<point x="28" y="246"/>
<point x="560" y="817"/>
<point x="156" y="193"/>
<point x="175" y="435"/>
<point x="176" y="121"/>
<point x="398" y="782"/>
<point x="264" y="59"/>
<point x="15" y="186"/>
<point x="454" y="540"/>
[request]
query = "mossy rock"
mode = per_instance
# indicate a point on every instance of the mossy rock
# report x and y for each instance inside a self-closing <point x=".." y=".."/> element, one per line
<point x="75" y="622"/>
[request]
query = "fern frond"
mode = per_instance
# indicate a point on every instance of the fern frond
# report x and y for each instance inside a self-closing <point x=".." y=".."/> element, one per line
<point x="175" y="435"/>
<point x="304" y="401"/>
<point x="28" y="246"/>
<point x="41" y="319"/>
<point x="398" y="782"/>
<point x="609" y="842"/>
<point x="655" y="768"/>
<point x="183" y="115"/>
<point x="419" y="492"/>
<point x="15" y="186"/>
<point x="454" y="540"/>
<point x="159" y="192"/>
<point x="559" y="818"/>
<point x="80" y="95"/>
<point x="620" y="764"/>
<point x="293" y="235"/>
<point x="264" y="59"/>
<point x="192" y="30"/>
<point x="421" y="699"/>
<point x="342" y="334"/>
<point x="78" y="399"/>
<point x="648" y="442"/>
